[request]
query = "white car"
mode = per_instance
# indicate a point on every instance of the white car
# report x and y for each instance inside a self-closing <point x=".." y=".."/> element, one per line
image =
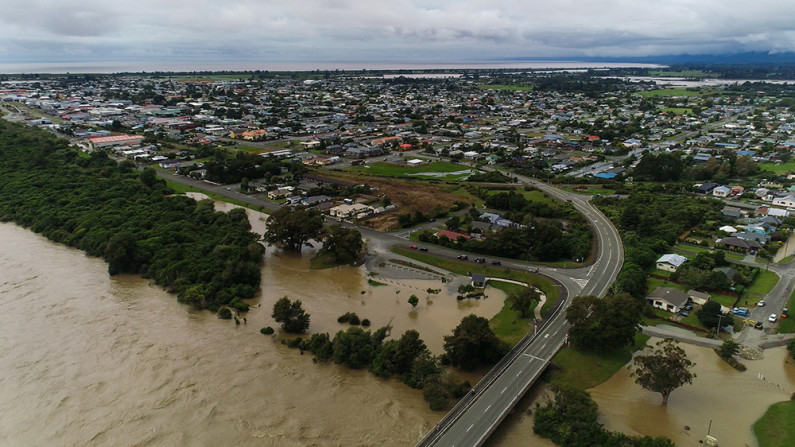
<point x="772" y="318"/>
<point x="761" y="303"/>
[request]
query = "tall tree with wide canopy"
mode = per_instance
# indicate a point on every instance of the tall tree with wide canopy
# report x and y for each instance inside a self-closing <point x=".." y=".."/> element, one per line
<point x="473" y="343"/>
<point x="664" y="370"/>
<point x="294" y="226"/>
<point x="604" y="324"/>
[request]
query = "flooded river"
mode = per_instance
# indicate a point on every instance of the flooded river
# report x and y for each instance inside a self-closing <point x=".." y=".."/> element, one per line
<point x="89" y="359"/>
<point x="93" y="360"/>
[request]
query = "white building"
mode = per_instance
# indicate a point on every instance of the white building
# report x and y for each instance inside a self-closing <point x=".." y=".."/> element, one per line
<point x="670" y="262"/>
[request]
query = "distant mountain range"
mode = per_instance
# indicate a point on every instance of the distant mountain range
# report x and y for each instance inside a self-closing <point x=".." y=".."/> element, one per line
<point x="750" y="58"/>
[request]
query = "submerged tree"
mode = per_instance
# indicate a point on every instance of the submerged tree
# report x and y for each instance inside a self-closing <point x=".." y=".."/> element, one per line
<point x="291" y="315"/>
<point x="664" y="370"/>
<point x="293" y="227"/>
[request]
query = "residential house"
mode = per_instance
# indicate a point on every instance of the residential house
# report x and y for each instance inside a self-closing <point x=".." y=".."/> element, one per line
<point x="697" y="297"/>
<point x="721" y="191"/>
<point x="478" y="280"/>
<point x="670" y="262"/>
<point x="735" y="243"/>
<point x="350" y="211"/>
<point x="786" y="201"/>
<point x="668" y="298"/>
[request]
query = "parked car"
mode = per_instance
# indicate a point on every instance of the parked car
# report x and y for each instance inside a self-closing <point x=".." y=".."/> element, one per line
<point x="413" y="247"/>
<point x="423" y="248"/>
<point x="761" y="303"/>
<point x="480" y="260"/>
<point x="496" y="263"/>
<point x="463" y="257"/>
<point x="772" y="318"/>
<point x="785" y="313"/>
<point x="741" y="311"/>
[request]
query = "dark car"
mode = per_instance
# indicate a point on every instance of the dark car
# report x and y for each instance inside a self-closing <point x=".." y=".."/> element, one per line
<point x="496" y="263"/>
<point x="423" y="248"/>
<point x="480" y="260"/>
<point x="463" y="257"/>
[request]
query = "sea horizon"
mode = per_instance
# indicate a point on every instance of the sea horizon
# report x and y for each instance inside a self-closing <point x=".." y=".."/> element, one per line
<point x="109" y="67"/>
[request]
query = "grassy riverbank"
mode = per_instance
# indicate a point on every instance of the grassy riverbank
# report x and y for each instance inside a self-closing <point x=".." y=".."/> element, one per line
<point x="777" y="426"/>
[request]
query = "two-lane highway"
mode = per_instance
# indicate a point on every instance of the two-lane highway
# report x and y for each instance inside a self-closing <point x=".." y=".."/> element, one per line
<point x="478" y="415"/>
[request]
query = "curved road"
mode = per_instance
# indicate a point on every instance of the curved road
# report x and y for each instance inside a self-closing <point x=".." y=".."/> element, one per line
<point x="477" y="415"/>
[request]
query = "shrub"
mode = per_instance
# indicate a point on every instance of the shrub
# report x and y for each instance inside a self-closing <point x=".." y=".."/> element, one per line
<point x="354" y="320"/>
<point x="366" y="322"/>
<point x="266" y="330"/>
<point x="225" y="313"/>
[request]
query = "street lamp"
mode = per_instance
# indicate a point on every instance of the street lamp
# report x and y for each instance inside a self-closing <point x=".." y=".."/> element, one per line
<point x="720" y="316"/>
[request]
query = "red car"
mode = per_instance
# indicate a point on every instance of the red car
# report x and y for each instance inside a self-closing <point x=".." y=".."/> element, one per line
<point x="414" y="247"/>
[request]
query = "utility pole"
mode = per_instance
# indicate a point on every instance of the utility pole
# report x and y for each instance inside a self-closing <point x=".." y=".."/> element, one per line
<point x="720" y="316"/>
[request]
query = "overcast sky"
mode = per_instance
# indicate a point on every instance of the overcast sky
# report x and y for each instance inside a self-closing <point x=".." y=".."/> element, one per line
<point x="393" y="30"/>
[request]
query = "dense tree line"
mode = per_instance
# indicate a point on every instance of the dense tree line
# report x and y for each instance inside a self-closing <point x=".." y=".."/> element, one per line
<point x="407" y="358"/>
<point x="131" y="219"/>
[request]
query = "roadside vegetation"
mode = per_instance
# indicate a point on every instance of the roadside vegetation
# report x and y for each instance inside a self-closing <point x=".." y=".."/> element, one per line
<point x="776" y="427"/>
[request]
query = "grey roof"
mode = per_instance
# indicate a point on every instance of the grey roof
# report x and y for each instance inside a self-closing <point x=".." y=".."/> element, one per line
<point x="669" y="294"/>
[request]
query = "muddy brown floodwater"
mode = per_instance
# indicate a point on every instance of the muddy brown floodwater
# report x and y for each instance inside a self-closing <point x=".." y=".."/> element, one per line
<point x="93" y="360"/>
<point x="89" y="359"/>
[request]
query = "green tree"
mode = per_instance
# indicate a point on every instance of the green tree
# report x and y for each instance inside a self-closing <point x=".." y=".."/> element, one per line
<point x="664" y="370"/>
<point x="413" y="300"/>
<point x="604" y="324"/>
<point x="570" y="419"/>
<point x="121" y="254"/>
<point x="294" y="226"/>
<point x="291" y="315"/>
<point x="344" y="243"/>
<point x="473" y="343"/>
<point x="728" y="349"/>
<point x="710" y="315"/>
<point x="523" y="300"/>
<point x="354" y="347"/>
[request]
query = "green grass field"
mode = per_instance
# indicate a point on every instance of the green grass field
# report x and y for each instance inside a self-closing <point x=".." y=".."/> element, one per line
<point x="677" y="111"/>
<point x="777" y="426"/>
<point x="671" y="92"/>
<point x="763" y="283"/>
<point x="787" y="325"/>
<point x="509" y="88"/>
<point x="585" y="369"/>
<point x="388" y="170"/>
<point x="778" y="169"/>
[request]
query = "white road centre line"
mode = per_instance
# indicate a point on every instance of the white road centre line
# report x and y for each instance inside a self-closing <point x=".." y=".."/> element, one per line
<point x="503" y="390"/>
<point x="487" y="409"/>
<point x="470" y="427"/>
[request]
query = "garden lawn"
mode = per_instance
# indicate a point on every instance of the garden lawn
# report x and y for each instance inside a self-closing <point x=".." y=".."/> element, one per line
<point x="586" y="369"/>
<point x="699" y="249"/>
<point x="777" y="426"/>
